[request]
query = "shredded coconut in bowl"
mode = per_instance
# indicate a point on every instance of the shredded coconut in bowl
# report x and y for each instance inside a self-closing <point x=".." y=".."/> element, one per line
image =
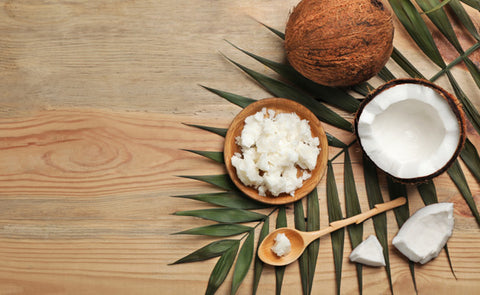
<point x="273" y="148"/>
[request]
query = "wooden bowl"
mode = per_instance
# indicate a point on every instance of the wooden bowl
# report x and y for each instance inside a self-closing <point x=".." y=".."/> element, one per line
<point x="279" y="105"/>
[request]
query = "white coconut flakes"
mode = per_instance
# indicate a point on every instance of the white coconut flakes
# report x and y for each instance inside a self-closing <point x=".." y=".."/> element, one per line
<point x="272" y="147"/>
<point x="282" y="245"/>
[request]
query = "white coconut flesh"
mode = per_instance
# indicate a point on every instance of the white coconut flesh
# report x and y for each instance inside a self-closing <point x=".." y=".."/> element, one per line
<point x="409" y="131"/>
<point x="368" y="252"/>
<point x="425" y="233"/>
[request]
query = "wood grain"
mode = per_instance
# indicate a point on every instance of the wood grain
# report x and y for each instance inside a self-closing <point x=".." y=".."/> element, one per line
<point x="94" y="98"/>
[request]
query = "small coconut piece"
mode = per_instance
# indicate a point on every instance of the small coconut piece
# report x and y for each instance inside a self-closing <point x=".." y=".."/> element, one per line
<point x="410" y="128"/>
<point x="425" y="233"/>
<point x="368" y="252"/>
<point x="282" y="245"/>
<point x="339" y="42"/>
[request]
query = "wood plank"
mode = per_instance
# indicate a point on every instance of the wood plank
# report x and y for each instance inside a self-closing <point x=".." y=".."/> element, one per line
<point x="94" y="100"/>
<point x="91" y="217"/>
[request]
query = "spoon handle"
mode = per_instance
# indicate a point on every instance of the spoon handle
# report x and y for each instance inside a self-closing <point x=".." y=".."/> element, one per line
<point x="359" y="218"/>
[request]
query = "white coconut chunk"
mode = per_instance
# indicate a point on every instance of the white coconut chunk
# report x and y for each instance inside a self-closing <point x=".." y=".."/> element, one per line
<point x="409" y="131"/>
<point x="368" y="252"/>
<point x="425" y="233"/>
<point x="282" y="245"/>
<point x="272" y="147"/>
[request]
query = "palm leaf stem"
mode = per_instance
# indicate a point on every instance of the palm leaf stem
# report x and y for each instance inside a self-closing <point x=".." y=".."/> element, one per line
<point x="456" y="61"/>
<point x="439" y="6"/>
<point x="261" y="221"/>
<point x="343" y="150"/>
<point x="440" y="19"/>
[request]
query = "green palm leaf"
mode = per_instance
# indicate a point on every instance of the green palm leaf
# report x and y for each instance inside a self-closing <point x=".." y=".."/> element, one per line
<point x="462" y="15"/>
<point x="333" y="96"/>
<point x="333" y="141"/>
<point x="470" y="157"/>
<point x="239" y="100"/>
<point x="470" y="110"/>
<point x="299" y="218"/>
<point x="437" y="7"/>
<point x="362" y="88"/>
<point x="281" y="89"/>
<point x="244" y="260"/>
<point x="313" y="224"/>
<point x="215" y="156"/>
<point x="219" y="131"/>
<point x="226" y="215"/>
<point x="214" y="249"/>
<point x="231" y="199"/>
<point x="456" y="174"/>
<point x="386" y="75"/>
<point x="280" y="270"/>
<point x="352" y="207"/>
<point x="222" y="181"/>
<point x="334" y="214"/>
<point x="397" y="190"/>
<point x="258" y="264"/>
<point x="281" y="34"/>
<point x="417" y="29"/>
<point x="434" y="11"/>
<point x="217" y="230"/>
<point x="456" y="61"/>
<point x="428" y="193"/>
<point x="472" y="3"/>
<point x="221" y="269"/>
<point x="374" y="196"/>
<point x="441" y="21"/>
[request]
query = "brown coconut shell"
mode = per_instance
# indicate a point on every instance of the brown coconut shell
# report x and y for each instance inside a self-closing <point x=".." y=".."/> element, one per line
<point x="339" y="42"/>
<point x="454" y="104"/>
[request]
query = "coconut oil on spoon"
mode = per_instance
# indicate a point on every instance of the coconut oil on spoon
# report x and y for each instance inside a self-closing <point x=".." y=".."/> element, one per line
<point x="299" y="240"/>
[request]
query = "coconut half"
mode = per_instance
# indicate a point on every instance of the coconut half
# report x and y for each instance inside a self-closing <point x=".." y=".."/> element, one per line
<point x="412" y="129"/>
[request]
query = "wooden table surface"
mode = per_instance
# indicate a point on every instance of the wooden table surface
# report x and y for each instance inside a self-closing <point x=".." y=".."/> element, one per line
<point x="94" y="97"/>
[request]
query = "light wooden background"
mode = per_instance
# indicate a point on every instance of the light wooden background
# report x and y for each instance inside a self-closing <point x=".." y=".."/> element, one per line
<point x="93" y="95"/>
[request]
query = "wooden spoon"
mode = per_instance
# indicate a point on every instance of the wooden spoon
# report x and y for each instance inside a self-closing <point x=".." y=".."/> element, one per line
<point x="279" y="105"/>
<point x="300" y="240"/>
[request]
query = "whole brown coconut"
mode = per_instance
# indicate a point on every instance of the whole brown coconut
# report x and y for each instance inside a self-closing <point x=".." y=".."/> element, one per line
<point x="339" y="42"/>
